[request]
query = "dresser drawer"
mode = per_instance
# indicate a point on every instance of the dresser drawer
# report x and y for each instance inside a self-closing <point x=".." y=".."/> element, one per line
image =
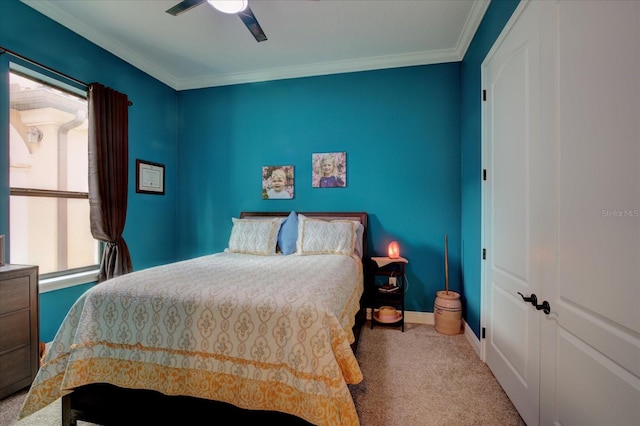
<point x="15" y="294"/>
<point x="15" y="367"/>
<point x="14" y="330"/>
<point x="19" y="318"/>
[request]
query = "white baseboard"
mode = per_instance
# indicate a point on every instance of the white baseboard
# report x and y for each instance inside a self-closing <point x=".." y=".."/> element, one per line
<point x="471" y="337"/>
<point x="419" y="317"/>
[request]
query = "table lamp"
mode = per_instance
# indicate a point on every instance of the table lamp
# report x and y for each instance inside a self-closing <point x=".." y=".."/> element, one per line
<point x="394" y="250"/>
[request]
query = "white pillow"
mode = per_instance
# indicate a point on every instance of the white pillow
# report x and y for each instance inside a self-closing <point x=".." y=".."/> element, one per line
<point x="316" y="236"/>
<point x="254" y="236"/>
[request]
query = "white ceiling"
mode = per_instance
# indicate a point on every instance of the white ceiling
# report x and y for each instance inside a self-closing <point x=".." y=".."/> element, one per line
<point x="204" y="48"/>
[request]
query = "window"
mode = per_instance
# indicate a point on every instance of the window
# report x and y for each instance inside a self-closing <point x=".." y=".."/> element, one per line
<point x="49" y="202"/>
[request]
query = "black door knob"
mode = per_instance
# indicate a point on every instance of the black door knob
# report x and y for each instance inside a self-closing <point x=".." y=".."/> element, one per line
<point x="545" y="307"/>
<point x="533" y="299"/>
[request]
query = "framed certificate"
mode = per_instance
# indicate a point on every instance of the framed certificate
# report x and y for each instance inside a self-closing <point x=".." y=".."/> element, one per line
<point x="149" y="177"/>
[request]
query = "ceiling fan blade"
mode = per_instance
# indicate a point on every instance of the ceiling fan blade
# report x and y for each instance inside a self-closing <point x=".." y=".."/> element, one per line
<point x="183" y="6"/>
<point x="252" y="24"/>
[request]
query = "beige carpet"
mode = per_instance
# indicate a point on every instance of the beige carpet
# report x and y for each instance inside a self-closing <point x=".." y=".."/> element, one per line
<point x="421" y="377"/>
<point x="418" y="377"/>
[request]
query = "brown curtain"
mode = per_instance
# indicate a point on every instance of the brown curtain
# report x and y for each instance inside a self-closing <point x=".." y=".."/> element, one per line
<point x="108" y="176"/>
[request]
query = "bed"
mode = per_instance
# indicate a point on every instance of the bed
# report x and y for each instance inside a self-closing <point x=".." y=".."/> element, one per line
<point x="264" y="331"/>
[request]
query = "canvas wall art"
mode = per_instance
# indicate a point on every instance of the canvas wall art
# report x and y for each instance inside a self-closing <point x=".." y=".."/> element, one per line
<point x="277" y="182"/>
<point x="329" y="170"/>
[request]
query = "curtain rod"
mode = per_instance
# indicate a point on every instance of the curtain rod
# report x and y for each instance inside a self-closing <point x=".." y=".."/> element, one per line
<point x="38" y="64"/>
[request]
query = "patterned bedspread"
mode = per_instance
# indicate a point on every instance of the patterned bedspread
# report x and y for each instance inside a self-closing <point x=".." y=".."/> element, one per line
<point x="259" y="332"/>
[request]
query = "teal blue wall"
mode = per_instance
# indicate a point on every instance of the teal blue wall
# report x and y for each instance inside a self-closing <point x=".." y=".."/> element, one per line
<point x="152" y="135"/>
<point x="412" y="137"/>
<point x="495" y="18"/>
<point x="54" y="306"/>
<point x="400" y="129"/>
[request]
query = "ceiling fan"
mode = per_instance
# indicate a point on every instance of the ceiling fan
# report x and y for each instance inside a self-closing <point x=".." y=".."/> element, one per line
<point x="243" y="11"/>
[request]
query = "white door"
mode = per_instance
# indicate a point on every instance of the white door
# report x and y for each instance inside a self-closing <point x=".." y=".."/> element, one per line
<point x="590" y="344"/>
<point x="572" y="164"/>
<point x="511" y="124"/>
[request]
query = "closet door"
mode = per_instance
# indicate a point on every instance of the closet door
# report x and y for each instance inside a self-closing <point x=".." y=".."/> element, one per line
<point x="590" y="346"/>
<point x="511" y="125"/>
<point x="563" y="157"/>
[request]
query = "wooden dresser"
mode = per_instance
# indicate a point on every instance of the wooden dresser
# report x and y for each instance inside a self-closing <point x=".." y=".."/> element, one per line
<point x="19" y="334"/>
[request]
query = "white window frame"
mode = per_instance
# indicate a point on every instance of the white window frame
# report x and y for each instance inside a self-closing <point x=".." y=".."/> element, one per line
<point x="70" y="277"/>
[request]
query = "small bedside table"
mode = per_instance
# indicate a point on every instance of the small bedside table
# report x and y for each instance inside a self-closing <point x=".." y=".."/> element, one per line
<point x="379" y="295"/>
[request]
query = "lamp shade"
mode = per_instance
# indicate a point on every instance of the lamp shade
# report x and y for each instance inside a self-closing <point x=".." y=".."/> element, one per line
<point x="394" y="250"/>
<point x="229" y="6"/>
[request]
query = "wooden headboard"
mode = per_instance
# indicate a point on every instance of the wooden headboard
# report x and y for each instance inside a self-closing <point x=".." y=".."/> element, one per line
<point x="357" y="216"/>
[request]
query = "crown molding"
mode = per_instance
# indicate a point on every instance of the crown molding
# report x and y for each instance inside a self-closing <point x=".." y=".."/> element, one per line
<point x="471" y="26"/>
<point x="55" y="12"/>
<point x="64" y="18"/>
<point x="318" y="69"/>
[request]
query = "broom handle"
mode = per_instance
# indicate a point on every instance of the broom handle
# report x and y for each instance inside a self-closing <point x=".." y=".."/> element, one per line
<point x="446" y="263"/>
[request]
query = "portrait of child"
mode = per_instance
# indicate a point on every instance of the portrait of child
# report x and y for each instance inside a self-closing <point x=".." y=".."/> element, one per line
<point x="329" y="170"/>
<point x="277" y="182"/>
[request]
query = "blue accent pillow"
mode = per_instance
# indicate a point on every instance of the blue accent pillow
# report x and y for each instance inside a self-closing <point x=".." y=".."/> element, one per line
<point x="288" y="234"/>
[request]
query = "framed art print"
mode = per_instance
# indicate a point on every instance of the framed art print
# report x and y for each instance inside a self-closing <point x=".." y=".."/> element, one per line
<point x="329" y="170"/>
<point x="277" y="182"/>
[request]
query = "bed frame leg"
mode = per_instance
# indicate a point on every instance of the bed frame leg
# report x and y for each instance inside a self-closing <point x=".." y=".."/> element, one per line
<point x="66" y="412"/>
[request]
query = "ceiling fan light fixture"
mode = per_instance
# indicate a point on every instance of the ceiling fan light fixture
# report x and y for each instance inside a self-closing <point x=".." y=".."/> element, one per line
<point x="229" y="6"/>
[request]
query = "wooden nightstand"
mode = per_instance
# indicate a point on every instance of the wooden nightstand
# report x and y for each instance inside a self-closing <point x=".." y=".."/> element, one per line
<point x="19" y="331"/>
<point x="380" y="295"/>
